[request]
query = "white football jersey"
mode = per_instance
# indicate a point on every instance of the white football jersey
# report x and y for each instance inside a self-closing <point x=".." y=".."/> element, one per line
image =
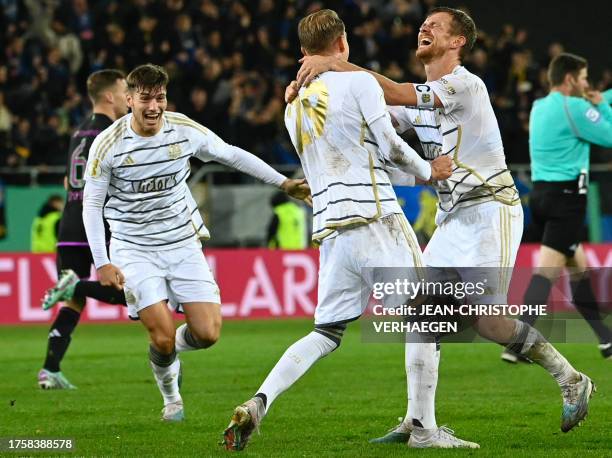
<point x="466" y="129"/>
<point x="149" y="204"/>
<point x="328" y="126"/>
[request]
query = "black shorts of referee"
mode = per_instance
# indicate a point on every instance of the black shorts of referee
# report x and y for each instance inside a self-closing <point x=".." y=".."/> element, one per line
<point x="558" y="211"/>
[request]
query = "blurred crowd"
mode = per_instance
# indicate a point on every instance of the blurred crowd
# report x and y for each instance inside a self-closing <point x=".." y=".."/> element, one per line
<point x="229" y="61"/>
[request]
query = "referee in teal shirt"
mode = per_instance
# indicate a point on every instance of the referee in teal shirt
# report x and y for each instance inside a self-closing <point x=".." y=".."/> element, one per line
<point x="562" y="127"/>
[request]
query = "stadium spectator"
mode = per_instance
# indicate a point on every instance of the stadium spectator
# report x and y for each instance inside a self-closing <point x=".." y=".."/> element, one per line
<point x="52" y="45"/>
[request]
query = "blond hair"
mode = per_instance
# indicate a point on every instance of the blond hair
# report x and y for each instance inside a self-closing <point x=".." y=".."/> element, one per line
<point x="318" y="30"/>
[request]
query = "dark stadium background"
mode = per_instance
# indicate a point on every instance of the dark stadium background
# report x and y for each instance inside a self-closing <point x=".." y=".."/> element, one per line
<point x="229" y="67"/>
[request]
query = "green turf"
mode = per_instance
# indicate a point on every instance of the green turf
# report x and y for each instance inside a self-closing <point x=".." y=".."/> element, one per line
<point x="354" y="394"/>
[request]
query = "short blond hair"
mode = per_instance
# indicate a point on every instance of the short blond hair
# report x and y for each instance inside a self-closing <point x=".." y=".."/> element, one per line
<point x="318" y="30"/>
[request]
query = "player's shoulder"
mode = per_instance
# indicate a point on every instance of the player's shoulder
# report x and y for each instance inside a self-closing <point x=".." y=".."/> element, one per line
<point x="181" y="122"/>
<point x="362" y="77"/>
<point x="461" y="78"/>
<point x="112" y="135"/>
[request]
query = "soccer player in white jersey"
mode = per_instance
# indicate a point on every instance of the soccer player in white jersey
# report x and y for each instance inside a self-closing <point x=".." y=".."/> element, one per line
<point x="479" y="218"/>
<point x="344" y="138"/>
<point x="142" y="162"/>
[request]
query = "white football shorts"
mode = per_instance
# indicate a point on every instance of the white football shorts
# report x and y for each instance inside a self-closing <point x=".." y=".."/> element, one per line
<point x="486" y="235"/>
<point x="345" y="259"/>
<point x="179" y="275"/>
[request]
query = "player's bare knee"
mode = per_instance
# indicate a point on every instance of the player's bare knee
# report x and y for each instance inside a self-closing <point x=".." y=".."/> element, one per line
<point x="207" y="334"/>
<point x="163" y="343"/>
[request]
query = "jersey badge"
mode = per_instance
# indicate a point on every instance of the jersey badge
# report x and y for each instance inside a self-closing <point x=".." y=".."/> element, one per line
<point x="174" y="151"/>
<point x="593" y="115"/>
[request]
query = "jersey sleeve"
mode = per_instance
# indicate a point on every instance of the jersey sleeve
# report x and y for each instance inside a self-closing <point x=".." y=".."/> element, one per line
<point x="400" y="119"/>
<point x="453" y="91"/>
<point x="100" y="160"/>
<point x="212" y="148"/>
<point x="97" y="179"/>
<point x="607" y="95"/>
<point x="369" y="96"/>
<point x="591" y="123"/>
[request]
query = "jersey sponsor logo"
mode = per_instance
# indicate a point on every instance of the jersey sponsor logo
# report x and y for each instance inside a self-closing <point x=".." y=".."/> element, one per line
<point x="174" y="151"/>
<point x="592" y="115"/>
<point x="154" y="184"/>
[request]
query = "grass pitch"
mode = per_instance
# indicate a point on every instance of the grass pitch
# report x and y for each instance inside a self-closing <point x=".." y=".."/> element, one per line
<point x="354" y="394"/>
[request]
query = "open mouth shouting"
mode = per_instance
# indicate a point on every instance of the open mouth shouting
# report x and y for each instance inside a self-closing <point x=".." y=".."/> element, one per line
<point x="425" y="41"/>
<point x="151" y="119"/>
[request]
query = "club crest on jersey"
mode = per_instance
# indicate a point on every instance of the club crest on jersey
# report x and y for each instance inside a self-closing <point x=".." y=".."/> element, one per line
<point x="426" y="98"/>
<point x="174" y="151"/>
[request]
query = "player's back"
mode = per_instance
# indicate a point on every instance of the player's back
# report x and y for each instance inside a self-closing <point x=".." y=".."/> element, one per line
<point x="71" y="226"/>
<point x="340" y="159"/>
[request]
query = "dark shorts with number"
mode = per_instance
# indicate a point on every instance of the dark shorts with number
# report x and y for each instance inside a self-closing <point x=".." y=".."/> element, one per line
<point x="72" y="248"/>
<point x="558" y="212"/>
<point x="77" y="258"/>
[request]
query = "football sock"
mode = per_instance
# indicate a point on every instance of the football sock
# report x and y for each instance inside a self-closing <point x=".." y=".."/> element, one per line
<point x="185" y="341"/>
<point x="59" y="337"/>
<point x="294" y="363"/>
<point x="166" y="370"/>
<point x="529" y="342"/>
<point x="422" y="361"/>
<point x="537" y="293"/>
<point x="586" y="304"/>
<point x="95" y="289"/>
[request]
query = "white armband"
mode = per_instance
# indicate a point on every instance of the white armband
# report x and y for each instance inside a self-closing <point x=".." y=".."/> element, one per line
<point x="424" y="95"/>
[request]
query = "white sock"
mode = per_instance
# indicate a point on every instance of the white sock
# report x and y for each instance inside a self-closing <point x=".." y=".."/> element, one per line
<point x="422" y="361"/>
<point x="167" y="381"/>
<point x="294" y="363"/>
<point x="528" y="341"/>
<point x="180" y="344"/>
<point x="554" y="362"/>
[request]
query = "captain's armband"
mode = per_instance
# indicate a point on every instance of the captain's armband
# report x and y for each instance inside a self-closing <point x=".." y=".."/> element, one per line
<point x="424" y="95"/>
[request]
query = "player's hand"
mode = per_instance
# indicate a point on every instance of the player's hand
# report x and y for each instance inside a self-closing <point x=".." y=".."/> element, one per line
<point x="291" y="91"/>
<point x="441" y="168"/>
<point x="298" y="189"/>
<point x="313" y="66"/>
<point x="595" y="97"/>
<point x="110" y="275"/>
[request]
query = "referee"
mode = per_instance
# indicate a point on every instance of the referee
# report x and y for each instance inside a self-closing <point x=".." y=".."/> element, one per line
<point x="562" y="127"/>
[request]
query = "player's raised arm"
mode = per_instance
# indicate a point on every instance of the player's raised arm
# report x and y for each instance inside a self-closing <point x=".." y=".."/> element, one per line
<point x="97" y="179"/>
<point x="370" y="99"/>
<point x="592" y="121"/>
<point x="395" y="93"/>
<point x="213" y="148"/>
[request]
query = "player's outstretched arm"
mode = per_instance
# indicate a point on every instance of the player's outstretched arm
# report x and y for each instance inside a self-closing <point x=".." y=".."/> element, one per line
<point x="395" y="93"/>
<point x="369" y="97"/>
<point x="215" y="149"/>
